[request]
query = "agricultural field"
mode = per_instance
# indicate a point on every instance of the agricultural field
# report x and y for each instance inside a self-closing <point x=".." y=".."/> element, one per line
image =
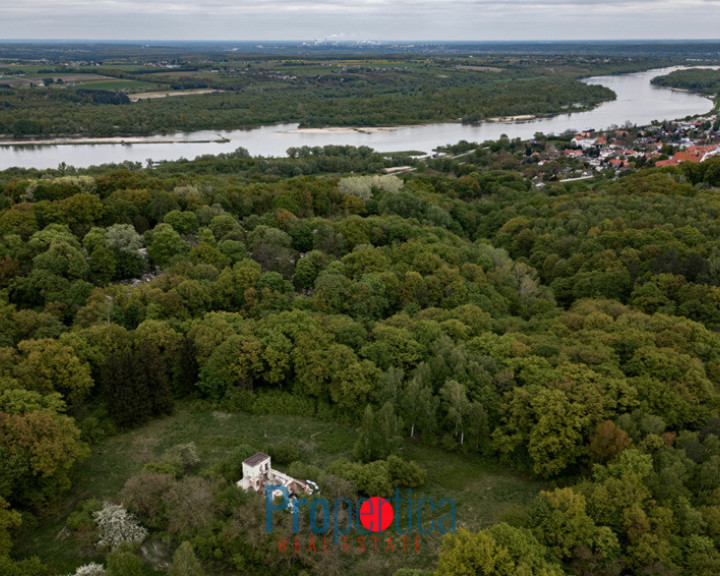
<point x="84" y="81"/>
<point x="118" y="84"/>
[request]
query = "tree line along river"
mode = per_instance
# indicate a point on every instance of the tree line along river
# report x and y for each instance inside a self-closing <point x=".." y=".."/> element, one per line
<point x="638" y="102"/>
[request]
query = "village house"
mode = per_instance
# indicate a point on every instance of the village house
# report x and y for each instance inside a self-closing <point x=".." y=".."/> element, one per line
<point x="583" y="141"/>
<point x="573" y="153"/>
<point x="691" y="154"/>
<point x="618" y="163"/>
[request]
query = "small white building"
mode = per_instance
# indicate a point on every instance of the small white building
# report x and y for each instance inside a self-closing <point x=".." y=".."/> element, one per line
<point x="254" y="470"/>
<point x="583" y="142"/>
<point x="258" y="471"/>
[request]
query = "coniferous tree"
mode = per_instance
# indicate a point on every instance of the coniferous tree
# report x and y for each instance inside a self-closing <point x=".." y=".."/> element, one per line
<point x="136" y="386"/>
<point x="125" y="394"/>
<point x="379" y="434"/>
<point x="185" y="562"/>
<point x="150" y="366"/>
<point x="186" y="369"/>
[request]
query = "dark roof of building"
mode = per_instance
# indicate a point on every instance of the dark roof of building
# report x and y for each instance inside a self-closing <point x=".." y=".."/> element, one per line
<point x="255" y="459"/>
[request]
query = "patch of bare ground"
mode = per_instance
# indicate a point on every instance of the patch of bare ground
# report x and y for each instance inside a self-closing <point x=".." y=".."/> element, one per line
<point x="480" y="68"/>
<point x="168" y="94"/>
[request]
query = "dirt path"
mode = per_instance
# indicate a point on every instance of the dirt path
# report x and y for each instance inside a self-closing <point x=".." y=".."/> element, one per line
<point x="170" y="93"/>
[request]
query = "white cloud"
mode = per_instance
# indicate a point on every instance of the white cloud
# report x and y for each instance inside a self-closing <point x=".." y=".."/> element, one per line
<point x="371" y="19"/>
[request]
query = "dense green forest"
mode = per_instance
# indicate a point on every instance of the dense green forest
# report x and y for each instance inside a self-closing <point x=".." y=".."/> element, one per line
<point x="250" y="90"/>
<point x="371" y="332"/>
<point x="704" y="81"/>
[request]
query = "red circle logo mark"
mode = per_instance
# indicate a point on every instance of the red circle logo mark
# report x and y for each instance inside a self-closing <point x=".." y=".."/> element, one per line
<point x="376" y="514"/>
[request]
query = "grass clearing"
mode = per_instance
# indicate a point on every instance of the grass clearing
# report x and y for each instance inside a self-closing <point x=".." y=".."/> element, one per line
<point x="119" y="84"/>
<point x="484" y="491"/>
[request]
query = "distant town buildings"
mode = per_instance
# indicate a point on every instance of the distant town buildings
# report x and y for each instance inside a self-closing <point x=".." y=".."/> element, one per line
<point x="666" y="144"/>
<point x="691" y="154"/>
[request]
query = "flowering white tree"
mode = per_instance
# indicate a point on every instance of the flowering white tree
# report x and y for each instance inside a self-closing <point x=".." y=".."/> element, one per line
<point x="362" y="186"/>
<point x="92" y="569"/>
<point x="124" y="237"/>
<point x="117" y="525"/>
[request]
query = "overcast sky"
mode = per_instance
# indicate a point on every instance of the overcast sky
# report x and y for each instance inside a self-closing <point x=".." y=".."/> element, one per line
<point x="243" y="20"/>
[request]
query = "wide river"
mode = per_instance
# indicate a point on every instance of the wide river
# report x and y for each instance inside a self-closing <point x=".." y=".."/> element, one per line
<point x="638" y="102"/>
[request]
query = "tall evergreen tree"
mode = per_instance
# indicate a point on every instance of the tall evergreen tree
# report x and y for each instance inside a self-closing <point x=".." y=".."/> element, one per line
<point x="379" y="434"/>
<point x="150" y="366"/>
<point x="186" y="369"/>
<point x="125" y="395"/>
<point x="136" y="386"/>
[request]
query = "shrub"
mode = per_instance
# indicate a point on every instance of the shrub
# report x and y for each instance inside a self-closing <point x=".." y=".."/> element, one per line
<point x="189" y="505"/>
<point x="82" y="517"/>
<point x="142" y="494"/>
<point x="303" y="471"/>
<point x="231" y="466"/>
<point x="186" y="454"/>
<point x="175" y="461"/>
<point x="285" y="451"/>
<point x="380" y="477"/>
<point x="230" y="498"/>
<point x="96" y="427"/>
<point x="185" y="563"/>
<point x="123" y="563"/>
<point x="277" y="402"/>
<point x="403" y="473"/>
<point x="237" y="400"/>
<point x="372" y="479"/>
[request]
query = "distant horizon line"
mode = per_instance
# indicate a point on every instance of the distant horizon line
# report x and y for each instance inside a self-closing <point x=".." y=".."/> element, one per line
<point x="358" y="41"/>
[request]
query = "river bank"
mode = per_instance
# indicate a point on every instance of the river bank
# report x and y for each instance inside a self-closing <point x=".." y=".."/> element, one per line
<point x="638" y="103"/>
<point x="379" y="129"/>
<point x="123" y="140"/>
<point x="351" y="129"/>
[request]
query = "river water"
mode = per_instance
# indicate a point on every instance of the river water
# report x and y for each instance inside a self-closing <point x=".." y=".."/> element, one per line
<point x="638" y="102"/>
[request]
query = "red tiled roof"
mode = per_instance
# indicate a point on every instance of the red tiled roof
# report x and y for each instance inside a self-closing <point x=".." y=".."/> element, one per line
<point x="687" y="157"/>
<point x="700" y="150"/>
